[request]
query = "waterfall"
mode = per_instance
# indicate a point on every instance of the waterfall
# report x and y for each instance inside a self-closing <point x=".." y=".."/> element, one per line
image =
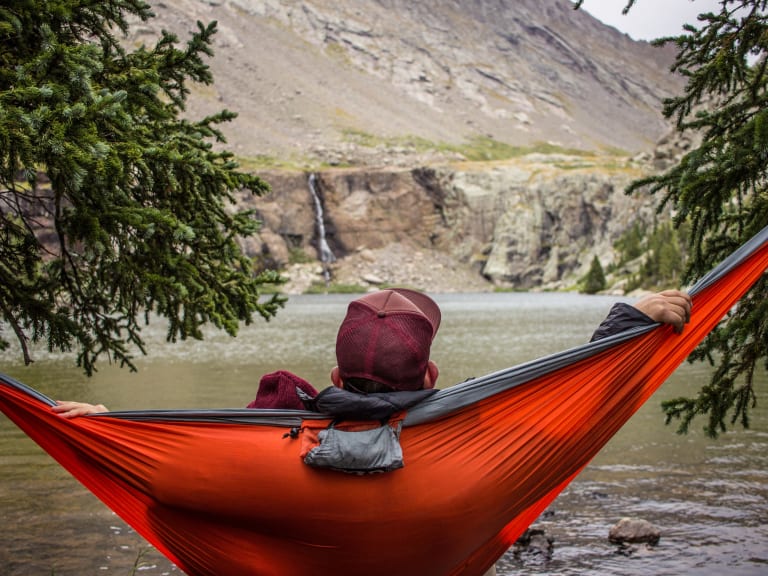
<point x="326" y="255"/>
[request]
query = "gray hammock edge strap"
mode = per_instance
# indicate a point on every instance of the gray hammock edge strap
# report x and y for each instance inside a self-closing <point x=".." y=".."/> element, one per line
<point x="286" y="418"/>
<point x="456" y="397"/>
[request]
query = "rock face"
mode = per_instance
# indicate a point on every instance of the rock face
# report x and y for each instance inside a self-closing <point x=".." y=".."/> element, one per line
<point x="532" y="223"/>
<point x="326" y="80"/>
<point x="634" y="531"/>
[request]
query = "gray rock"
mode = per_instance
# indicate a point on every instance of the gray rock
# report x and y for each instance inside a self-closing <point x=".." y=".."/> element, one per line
<point x="534" y="542"/>
<point x="526" y="224"/>
<point x="634" y="531"/>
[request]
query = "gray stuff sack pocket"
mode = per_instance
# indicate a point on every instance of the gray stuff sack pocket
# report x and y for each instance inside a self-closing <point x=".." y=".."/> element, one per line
<point x="360" y="452"/>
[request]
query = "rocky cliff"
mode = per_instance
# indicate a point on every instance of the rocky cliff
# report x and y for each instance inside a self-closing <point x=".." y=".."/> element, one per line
<point x="535" y="222"/>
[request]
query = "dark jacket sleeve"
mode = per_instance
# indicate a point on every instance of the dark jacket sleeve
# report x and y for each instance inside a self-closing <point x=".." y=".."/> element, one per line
<point x="621" y="317"/>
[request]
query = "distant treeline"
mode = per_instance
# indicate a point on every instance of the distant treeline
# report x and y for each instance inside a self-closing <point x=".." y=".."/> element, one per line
<point x="651" y="257"/>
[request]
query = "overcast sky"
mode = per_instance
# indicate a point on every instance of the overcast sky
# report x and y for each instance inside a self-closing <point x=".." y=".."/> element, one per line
<point x="649" y="19"/>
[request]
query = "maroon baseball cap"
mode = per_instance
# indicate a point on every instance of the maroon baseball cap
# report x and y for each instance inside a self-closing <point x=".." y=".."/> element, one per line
<point x="277" y="390"/>
<point x="386" y="337"/>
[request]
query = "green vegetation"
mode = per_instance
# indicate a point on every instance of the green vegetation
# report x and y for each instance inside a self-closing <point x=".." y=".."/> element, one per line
<point x="297" y="255"/>
<point x="139" y="563"/>
<point x="662" y="252"/>
<point x="665" y="256"/>
<point x="293" y="163"/>
<point x="332" y="288"/>
<point x="336" y="50"/>
<point x="631" y="243"/>
<point x="478" y="149"/>
<point x="113" y="206"/>
<point x="594" y="281"/>
<point x="486" y="149"/>
<point x="720" y="190"/>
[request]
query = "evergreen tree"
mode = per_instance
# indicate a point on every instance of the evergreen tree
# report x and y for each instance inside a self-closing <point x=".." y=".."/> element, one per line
<point x="113" y="207"/>
<point x="664" y="257"/>
<point x="630" y="244"/>
<point x="719" y="189"/>
<point x="595" y="279"/>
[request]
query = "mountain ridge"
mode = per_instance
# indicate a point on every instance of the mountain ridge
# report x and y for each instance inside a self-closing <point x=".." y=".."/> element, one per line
<point x="351" y="80"/>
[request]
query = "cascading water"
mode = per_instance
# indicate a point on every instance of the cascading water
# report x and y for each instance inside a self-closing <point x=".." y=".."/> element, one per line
<point x="326" y="254"/>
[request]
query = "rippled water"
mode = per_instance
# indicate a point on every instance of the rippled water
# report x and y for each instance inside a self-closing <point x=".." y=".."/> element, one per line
<point x="709" y="497"/>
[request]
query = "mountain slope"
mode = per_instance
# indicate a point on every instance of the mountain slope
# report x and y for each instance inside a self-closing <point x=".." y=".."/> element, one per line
<point x="318" y="77"/>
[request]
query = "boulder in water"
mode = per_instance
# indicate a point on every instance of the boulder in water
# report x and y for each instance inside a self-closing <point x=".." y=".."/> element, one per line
<point x="634" y="530"/>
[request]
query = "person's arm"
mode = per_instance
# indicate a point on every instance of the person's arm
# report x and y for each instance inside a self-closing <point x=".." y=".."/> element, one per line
<point x="668" y="307"/>
<point x="69" y="409"/>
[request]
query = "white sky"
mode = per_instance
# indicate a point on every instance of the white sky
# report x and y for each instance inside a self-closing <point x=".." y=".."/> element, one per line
<point x="650" y="19"/>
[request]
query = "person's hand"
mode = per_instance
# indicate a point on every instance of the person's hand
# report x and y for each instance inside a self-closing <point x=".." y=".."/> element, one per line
<point x="69" y="409"/>
<point x="668" y="307"/>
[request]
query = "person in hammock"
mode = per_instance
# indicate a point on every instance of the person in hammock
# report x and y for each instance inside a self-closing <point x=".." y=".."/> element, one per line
<point x="383" y="355"/>
<point x="383" y="348"/>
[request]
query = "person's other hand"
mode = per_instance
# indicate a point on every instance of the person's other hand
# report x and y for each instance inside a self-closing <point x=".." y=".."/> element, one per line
<point x="69" y="409"/>
<point x="668" y="307"/>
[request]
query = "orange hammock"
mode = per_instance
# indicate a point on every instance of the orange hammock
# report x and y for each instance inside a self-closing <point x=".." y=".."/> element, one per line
<point x="225" y="492"/>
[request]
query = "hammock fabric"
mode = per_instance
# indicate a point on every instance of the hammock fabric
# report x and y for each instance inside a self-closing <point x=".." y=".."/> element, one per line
<point x="224" y="492"/>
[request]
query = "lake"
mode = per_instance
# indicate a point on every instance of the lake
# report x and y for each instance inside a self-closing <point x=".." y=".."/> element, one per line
<point x="708" y="497"/>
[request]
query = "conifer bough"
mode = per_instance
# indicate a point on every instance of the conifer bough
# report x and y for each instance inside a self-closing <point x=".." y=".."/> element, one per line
<point x="112" y="206"/>
<point x="719" y="191"/>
